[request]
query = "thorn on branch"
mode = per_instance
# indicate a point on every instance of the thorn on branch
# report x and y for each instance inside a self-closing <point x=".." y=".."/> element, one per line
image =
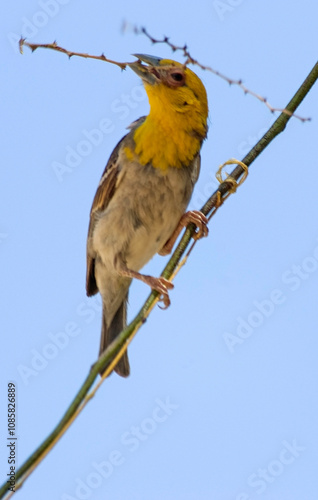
<point x="55" y="46"/>
<point x="174" y="48"/>
<point x="21" y="43"/>
<point x="190" y="59"/>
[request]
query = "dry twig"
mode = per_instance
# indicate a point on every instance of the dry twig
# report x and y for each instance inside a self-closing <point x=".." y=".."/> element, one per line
<point x="191" y="60"/>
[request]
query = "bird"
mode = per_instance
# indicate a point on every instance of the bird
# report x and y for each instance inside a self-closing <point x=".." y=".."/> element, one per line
<point x="139" y="206"/>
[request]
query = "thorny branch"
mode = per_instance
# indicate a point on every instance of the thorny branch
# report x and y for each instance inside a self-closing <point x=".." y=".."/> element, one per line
<point x="69" y="53"/>
<point x="191" y="60"/>
<point x="184" y="49"/>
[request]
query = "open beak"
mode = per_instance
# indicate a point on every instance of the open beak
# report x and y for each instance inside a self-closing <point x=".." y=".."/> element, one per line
<point x="147" y="73"/>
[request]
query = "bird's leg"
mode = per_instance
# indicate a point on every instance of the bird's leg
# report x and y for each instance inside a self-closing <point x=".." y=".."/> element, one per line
<point x="198" y="218"/>
<point x="161" y="285"/>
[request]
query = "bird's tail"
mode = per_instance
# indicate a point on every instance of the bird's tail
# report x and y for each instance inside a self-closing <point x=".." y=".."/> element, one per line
<point x="109" y="333"/>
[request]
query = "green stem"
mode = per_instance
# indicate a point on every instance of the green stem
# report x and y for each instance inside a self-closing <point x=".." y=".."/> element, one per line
<point x="277" y="127"/>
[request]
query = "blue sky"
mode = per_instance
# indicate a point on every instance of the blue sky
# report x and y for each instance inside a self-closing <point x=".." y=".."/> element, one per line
<point x="221" y="402"/>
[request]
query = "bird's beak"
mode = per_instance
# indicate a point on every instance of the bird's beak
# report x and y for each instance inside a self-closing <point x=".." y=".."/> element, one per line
<point x="147" y="73"/>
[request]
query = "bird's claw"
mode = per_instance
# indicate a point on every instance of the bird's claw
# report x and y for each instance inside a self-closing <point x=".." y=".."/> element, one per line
<point x="200" y="220"/>
<point x="162" y="286"/>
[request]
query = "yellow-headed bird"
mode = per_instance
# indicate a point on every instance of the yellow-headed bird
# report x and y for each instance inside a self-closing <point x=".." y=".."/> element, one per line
<point x="139" y="206"/>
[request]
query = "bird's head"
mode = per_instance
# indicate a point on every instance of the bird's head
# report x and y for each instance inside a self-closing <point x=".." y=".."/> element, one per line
<point x="173" y="88"/>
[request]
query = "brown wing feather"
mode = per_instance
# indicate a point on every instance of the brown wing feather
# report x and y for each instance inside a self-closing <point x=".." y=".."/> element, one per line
<point x="102" y="197"/>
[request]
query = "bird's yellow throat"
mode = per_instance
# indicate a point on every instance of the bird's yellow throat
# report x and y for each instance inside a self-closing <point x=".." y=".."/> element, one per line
<point x="172" y="133"/>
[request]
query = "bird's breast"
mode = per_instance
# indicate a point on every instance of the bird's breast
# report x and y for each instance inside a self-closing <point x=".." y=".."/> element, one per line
<point x="143" y="213"/>
<point x="155" y="211"/>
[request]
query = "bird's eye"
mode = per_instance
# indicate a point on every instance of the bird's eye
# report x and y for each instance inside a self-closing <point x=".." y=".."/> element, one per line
<point x="178" y="77"/>
<point x="175" y="78"/>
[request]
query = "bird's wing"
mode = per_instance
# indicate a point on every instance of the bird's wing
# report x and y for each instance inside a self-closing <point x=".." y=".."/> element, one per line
<point x="196" y="165"/>
<point x="104" y="193"/>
